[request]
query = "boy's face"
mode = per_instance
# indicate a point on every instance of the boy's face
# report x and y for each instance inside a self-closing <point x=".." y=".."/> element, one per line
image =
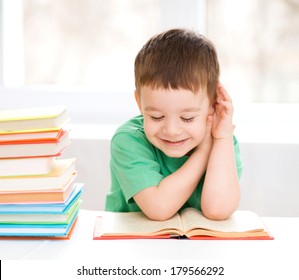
<point x="174" y="120"/>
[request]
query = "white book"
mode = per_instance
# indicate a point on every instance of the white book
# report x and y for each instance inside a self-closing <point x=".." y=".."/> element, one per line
<point x="59" y="176"/>
<point x="26" y="166"/>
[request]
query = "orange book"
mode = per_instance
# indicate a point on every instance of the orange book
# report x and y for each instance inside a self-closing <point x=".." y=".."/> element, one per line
<point x="190" y="223"/>
<point x="35" y="148"/>
<point x="23" y="137"/>
<point x="42" y="196"/>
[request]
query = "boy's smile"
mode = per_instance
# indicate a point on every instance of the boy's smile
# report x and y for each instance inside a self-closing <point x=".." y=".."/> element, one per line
<point x="174" y="120"/>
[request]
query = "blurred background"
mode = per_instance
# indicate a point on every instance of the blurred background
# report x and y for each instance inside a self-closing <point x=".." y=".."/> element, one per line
<point x="81" y="53"/>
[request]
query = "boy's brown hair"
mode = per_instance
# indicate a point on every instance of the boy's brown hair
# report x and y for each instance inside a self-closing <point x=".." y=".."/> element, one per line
<point x="178" y="58"/>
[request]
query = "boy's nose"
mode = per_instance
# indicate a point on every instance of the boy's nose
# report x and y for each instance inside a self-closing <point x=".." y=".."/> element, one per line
<point x="172" y="128"/>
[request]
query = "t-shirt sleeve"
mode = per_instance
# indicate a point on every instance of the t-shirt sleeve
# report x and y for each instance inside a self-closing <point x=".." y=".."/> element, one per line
<point x="238" y="158"/>
<point x="133" y="163"/>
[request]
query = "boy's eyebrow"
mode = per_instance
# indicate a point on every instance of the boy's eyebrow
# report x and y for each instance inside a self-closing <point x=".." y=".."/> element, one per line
<point x="191" y="109"/>
<point x="151" y="108"/>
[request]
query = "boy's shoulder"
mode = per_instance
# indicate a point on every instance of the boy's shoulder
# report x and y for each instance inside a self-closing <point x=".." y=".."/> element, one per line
<point x="133" y="126"/>
<point x="130" y="134"/>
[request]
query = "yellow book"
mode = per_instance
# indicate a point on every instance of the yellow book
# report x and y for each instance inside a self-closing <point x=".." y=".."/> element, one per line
<point x="32" y="119"/>
<point x="190" y="223"/>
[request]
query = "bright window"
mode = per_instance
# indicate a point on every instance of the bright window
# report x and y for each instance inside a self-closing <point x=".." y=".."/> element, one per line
<point x="84" y="42"/>
<point x="81" y="53"/>
<point x="258" y="46"/>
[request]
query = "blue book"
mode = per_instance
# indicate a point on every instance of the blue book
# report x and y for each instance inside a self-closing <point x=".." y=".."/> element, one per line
<point x="55" y="230"/>
<point x="10" y="220"/>
<point x="46" y="208"/>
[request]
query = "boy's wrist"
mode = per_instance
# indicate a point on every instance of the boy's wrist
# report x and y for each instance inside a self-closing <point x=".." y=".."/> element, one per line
<point x="204" y="150"/>
<point x="223" y="135"/>
<point x="224" y="138"/>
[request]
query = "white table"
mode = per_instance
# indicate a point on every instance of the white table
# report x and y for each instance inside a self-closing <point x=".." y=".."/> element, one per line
<point x="279" y="257"/>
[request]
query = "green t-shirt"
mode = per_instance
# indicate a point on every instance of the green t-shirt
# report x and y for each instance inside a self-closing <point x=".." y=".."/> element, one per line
<point x="136" y="164"/>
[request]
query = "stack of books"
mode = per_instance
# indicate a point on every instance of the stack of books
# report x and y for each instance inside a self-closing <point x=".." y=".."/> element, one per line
<point x="38" y="193"/>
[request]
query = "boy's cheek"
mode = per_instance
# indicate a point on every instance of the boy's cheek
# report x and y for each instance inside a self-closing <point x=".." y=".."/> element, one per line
<point x="199" y="131"/>
<point x="149" y="129"/>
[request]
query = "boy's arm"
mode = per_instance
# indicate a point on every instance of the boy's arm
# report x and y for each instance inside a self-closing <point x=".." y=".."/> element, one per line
<point x="163" y="201"/>
<point x="221" y="190"/>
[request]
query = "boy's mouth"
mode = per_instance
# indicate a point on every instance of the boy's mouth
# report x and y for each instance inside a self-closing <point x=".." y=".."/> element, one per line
<point x="174" y="142"/>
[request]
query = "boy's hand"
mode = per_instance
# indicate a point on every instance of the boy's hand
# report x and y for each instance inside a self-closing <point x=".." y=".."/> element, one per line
<point x="223" y="114"/>
<point x="207" y="141"/>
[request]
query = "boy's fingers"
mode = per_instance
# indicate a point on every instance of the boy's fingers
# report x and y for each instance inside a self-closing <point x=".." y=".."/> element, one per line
<point x="226" y="95"/>
<point x="228" y="105"/>
<point x="222" y="92"/>
<point x="210" y="119"/>
<point x="209" y="122"/>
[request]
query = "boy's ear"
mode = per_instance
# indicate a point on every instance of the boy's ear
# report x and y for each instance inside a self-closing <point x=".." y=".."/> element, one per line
<point x="211" y="108"/>
<point x="137" y="98"/>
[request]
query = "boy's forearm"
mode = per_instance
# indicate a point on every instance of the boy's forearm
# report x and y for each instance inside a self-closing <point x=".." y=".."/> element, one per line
<point x="221" y="190"/>
<point x="163" y="201"/>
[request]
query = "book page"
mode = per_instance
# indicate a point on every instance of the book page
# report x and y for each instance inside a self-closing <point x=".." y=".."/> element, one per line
<point x="134" y="223"/>
<point x="240" y="221"/>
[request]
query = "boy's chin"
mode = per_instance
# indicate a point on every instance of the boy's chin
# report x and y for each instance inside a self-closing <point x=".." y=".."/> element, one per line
<point x="177" y="154"/>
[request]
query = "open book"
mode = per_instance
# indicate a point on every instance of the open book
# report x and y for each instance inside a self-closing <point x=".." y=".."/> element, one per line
<point x="190" y="223"/>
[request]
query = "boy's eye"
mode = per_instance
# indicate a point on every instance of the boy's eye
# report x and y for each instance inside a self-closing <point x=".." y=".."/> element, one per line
<point x="157" y="119"/>
<point x="187" y="120"/>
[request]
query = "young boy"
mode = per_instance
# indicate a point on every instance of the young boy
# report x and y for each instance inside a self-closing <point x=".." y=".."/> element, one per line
<point x="180" y="152"/>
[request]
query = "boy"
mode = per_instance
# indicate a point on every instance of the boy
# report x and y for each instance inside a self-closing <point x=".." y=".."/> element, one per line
<point x="180" y="152"/>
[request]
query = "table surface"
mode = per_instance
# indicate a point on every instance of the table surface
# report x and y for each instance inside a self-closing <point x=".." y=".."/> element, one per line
<point x="284" y="229"/>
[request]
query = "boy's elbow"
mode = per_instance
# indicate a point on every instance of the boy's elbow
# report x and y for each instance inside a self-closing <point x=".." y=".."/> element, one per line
<point x="216" y="216"/>
<point x="217" y="213"/>
<point x="159" y="214"/>
<point x="220" y="209"/>
<point x="153" y="207"/>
